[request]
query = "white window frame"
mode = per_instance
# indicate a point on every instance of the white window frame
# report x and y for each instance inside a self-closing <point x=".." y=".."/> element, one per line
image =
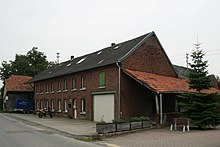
<point x="83" y="87"/>
<point x="52" y="87"/>
<point x="73" y="84"/>
<point x="83" y="103"/>
<point x="52" y="105"/>
<point x="59" y="86"/>
<point x="65" y="85"/>
<point x="59" y="105"/>
<point x="65" y="105"/>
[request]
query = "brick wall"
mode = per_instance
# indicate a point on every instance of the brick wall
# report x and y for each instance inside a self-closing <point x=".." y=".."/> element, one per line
<point x="136" y="100"/>
<point x="150" y="57"/>
<point x="91" y="78"/>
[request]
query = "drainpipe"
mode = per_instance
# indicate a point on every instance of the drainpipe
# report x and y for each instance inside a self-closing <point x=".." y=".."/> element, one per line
<point x="119" y="90"/>
<point x="161" y="107"/>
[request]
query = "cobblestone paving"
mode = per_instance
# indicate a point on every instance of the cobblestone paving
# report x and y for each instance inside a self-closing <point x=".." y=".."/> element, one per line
<point x="167" y="138"/>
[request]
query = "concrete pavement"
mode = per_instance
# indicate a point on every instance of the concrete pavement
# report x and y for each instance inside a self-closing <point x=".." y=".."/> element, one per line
<point x="147" y="138"/>
<point x="68" y="127"/>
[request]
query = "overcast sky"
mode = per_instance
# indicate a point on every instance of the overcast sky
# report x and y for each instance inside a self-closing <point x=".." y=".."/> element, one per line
<point x="78" y="27"/>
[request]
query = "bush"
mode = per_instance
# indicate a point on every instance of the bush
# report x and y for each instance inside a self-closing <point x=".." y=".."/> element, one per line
<point x="142" y="118"/>
<point x="118" y="121"/>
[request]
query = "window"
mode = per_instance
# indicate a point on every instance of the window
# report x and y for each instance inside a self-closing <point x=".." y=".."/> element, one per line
<point x="36" y="104"/>
<point x="41" y="89"/>
<point x="102" y="82"/>
<point x="65" y="85"/>
<point x="52" y="87"/>
<point x="73" y="84"/>
<point x="41" y="104"/>
<point x="47" y="88"/>
<point x="47" y="104"/>
<point x="83" y="105"/>
<point x="65" y="105"/>
<point x="59" y="86"/>
<point x="37" y="89"/>
<point x="59" y="105"/>
<point x="52" y="105"/>
<point x="83" y="84"/>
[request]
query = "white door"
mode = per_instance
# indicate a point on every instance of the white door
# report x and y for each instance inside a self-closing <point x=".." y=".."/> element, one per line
<point x="103" y="107"/>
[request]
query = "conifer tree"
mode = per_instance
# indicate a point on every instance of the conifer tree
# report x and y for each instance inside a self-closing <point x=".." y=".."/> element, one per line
<point x="202" y="108"/>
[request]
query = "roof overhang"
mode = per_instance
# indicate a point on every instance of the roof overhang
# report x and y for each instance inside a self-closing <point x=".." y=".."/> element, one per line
<point x="163" y="84"/>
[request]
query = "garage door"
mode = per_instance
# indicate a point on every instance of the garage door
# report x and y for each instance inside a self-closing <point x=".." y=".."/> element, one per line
<point x="104" y="107"/>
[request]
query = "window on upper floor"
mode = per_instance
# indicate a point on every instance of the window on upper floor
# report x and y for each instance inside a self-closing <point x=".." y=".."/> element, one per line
<point x="51" y="87"/>
<point x="37" y="89"/>
<point x="102" y="80"/>
<point x="65" y="85"/>
<point x="41" y="89"/>
<point x="73" y="84"/>
<point x="47" y="88"/>
<point x="59" y="86"/>
<point x="83" y="81"/>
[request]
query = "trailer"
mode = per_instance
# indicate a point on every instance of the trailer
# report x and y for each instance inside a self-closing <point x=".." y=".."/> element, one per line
<point x="24" y="105"/>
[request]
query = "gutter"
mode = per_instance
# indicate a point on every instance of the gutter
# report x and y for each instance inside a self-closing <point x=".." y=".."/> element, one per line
<point x="119" y="90"/>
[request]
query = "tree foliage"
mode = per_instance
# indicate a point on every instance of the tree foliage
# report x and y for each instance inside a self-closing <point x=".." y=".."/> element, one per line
<point x="202" y="108"/>
<point x="198" y="77"/>
<point x="29" y="65"/>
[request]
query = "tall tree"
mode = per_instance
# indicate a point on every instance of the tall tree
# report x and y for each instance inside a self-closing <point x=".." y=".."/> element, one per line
<point x="30" y="64"/>
<point x="202" y="108"/>
<point x="198" y="77"/>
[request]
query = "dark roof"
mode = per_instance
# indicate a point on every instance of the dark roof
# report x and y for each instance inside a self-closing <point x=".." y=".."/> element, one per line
<point x="182" y="72"/>
<point x="18" y="83"/>
<point x="103" y="57"/>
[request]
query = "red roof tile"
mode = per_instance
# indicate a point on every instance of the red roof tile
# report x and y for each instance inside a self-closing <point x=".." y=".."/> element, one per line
<point x="163" y="84"/>
<point x="17" y="83"/>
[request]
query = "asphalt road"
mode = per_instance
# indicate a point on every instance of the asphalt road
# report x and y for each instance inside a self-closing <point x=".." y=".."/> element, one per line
<point x="14" y="133"/>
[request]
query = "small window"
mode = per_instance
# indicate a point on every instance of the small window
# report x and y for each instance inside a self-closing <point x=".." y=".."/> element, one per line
<point x="47" y="104"/>
<point x="83" y="105"/>
<point x="41" y="104"/>
<point x="37" y="89"/>
<point x="59" y="105"/>
<point x="52" y="105"/>
<point x="36" y="104"/>
<point x="102" y="81"/>
<point x="41" y="89"/>
<point x="47" y="88"/>
<point x="59" y="86"/>
<point x="52" y="87"/>
<point x="83" y="87"/>
<point x="65" y="85"/>
<point x="73" y="84"/>
<point x="65" y="106"/>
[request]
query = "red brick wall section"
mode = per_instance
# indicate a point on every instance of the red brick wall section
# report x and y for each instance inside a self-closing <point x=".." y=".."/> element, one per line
<point x="136" y="100"/>
<point x="149" y="57"/>
<point x="91" y="83"/>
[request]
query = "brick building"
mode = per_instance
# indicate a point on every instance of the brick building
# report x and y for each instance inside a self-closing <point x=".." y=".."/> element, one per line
<point x="15" y="87"/>
<point x="111" y="83"/>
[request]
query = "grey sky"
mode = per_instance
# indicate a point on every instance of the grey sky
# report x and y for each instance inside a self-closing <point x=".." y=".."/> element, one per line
<point x="78" y="27"/>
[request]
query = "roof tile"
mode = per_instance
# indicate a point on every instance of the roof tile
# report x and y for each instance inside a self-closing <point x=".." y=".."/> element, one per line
<point x="18" y="83"/>
<point x="163" y="84"/>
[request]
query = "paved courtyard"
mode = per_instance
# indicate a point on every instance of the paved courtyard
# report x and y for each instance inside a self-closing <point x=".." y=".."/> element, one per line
<point x="167" y="138"/>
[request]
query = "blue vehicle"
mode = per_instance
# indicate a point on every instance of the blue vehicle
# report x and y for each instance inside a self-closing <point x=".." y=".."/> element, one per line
<point x="24" y="105"/>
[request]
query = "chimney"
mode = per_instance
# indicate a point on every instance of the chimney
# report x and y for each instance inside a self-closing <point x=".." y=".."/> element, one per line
<point x="113" y="44"/>
<point x="71" y="57"/>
